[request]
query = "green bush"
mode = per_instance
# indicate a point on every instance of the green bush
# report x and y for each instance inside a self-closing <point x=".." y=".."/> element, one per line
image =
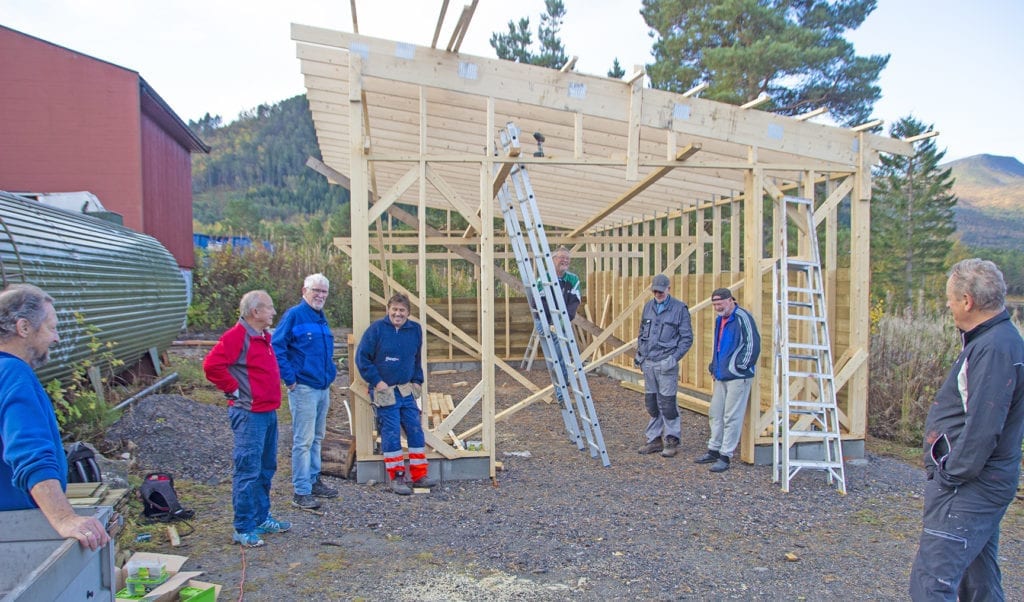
<point x="82" y="413"/>
<point x="221" y="278"/>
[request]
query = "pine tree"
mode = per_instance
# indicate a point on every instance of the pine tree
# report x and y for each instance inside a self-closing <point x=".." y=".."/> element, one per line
<point x="515" y="45"/>
<point x="616" y="71"/>
<point x="911" y="217"/>
<point x="791" y="50"/>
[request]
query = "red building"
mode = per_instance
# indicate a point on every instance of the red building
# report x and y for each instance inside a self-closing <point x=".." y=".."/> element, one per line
<point x="71" y="122"/>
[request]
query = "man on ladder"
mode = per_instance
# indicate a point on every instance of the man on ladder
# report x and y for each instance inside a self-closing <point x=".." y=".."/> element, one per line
<point x="569" y="284"/>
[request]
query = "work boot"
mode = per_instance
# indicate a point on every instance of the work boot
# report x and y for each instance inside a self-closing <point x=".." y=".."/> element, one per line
<point x="651" y="447"/>
<point x="721" y="464"/>
<point x="671" y="446"/>
<point x="707" y="458"/>
<point x="425" y="481"/>
<point x="399" y="486"/>
<point x="322" y="490"/>
<point x="306" y="502"/>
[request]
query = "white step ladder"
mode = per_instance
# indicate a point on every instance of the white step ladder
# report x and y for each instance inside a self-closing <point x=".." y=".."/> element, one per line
<point x="806" y="428"/>
<point x="551" y="320"/>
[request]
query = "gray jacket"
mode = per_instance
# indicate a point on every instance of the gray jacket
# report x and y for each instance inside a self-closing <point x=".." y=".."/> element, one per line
<point x="666" y="334"/>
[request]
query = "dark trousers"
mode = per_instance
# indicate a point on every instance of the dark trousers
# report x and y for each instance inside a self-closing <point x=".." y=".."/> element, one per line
<point x="959" y="549"/>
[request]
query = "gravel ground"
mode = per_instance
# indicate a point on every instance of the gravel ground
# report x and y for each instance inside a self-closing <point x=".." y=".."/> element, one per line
<point x="557" y="524"/>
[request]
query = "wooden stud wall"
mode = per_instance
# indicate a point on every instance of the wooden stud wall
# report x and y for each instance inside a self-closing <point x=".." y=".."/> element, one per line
<point x="663" y="182"/>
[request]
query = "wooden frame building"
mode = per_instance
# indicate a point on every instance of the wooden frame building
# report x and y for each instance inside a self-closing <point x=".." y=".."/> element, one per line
<point x="636" y="180"/>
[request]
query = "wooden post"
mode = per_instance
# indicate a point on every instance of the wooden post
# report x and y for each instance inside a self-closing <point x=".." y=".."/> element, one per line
<point x="362" y="415"/>
<point x="753" y="245"/>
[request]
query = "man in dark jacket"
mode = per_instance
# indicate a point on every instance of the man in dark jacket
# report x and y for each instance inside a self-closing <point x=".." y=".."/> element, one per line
<point x="972" y="444"/>
<point x="737" y="345"/>
<point x="242" y="365"/>
<point x="665" y="337"/>
<point x="388" y="359"/>
<point x="304" y="346"/>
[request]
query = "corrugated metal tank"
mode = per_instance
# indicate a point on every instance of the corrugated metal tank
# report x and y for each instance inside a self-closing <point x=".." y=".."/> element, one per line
<point x="121" y="282"/>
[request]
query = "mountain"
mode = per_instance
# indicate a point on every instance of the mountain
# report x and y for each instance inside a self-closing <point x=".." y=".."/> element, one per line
<point x="990" y="212"/>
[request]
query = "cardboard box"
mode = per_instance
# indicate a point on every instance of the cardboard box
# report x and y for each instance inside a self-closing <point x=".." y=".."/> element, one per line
<point x="168" y="591"/>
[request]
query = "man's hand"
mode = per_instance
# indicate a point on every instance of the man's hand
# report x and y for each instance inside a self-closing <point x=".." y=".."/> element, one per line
<point x="58" y="511"/>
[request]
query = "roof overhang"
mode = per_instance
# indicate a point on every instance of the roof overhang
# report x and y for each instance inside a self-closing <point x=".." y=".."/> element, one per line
<point x="605" y="139"/>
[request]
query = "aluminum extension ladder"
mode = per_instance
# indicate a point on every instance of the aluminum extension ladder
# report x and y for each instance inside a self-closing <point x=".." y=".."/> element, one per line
<point x="804" y="390"/>
<point x="537" y="271"/>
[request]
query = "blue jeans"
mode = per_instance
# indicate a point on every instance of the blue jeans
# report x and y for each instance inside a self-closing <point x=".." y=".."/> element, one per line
<point x="255" y="464"/>
<point x="309" y="423"/>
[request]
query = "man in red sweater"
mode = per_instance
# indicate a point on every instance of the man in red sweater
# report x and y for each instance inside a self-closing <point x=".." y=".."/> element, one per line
<point x="243" y="366"/>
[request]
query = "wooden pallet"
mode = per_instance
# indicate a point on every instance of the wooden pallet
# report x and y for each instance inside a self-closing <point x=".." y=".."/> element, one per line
<point x="94" y="494"/>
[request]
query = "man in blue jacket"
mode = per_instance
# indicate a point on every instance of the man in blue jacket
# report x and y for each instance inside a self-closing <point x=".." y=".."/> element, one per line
<point x="388" y="359"/>
<point x="304" y="346"/>
<point x="737" y="344"/>
<point x="972" y="440"/>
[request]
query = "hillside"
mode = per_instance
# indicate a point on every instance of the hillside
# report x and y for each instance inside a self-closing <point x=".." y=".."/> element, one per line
<point x="256" y="171"/>
<point x="990" y="211"/>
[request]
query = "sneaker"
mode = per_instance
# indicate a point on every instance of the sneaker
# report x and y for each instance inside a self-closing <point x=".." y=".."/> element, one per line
<point x="651" y="447"/>
<point x="249" y="540"/>
<point x="707" y="458"/>
<point x="272" y="525"/>
<point x="306" y="502"/>
<point x="399" y="486"/>
<point x="721" y="464"/>
<point x="671" y="446"/>
<point x="322" y="490"/>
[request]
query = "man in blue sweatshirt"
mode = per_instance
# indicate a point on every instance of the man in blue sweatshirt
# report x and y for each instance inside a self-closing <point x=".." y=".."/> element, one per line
<point x="33" y="467"/>
<point x="304" y="346"/>
<point x="737" y="344"/>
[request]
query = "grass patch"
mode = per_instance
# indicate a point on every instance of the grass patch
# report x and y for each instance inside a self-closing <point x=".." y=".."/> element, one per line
<point x="894" y="449"/>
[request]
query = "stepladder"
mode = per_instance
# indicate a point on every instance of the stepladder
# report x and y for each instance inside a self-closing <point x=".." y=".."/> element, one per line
<point x="806" y="422"/>
<point x="552" y="327"/>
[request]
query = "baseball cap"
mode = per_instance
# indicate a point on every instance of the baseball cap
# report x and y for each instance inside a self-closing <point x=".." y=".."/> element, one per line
<point x="660" y="283"/>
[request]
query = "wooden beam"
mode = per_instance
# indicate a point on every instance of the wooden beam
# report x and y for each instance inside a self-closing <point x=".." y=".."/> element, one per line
<point x="569" y="65"/>
<point x="695" y="90"/>
<point x="686" y="152"/>
<point x="440" y="21"/>
<point x="867" y="125"/>
<point x="760" y="100"/>
<point x="809" y="114"/>
<point x="921" y="137"/>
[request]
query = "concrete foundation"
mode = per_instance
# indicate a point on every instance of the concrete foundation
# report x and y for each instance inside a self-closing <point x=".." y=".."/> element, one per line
<point x="460" y="469"/>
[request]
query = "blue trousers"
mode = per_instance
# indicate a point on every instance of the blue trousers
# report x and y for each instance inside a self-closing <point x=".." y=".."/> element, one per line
<point x="309" y="408"/>
<point x="403" y="415"/>
<point x="255" y="464"/>
<point x="958" y="556"/>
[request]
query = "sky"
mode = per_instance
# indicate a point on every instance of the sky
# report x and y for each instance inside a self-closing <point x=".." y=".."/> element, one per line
<point x="955" y="64"/>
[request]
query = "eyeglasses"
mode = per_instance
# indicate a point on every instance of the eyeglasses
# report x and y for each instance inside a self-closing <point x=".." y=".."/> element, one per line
<point x="319" y="291"/>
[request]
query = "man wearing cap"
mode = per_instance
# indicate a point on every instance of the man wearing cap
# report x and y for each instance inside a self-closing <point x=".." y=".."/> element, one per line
<point x="737" y="345"/>
<point x="665" y="337"/>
